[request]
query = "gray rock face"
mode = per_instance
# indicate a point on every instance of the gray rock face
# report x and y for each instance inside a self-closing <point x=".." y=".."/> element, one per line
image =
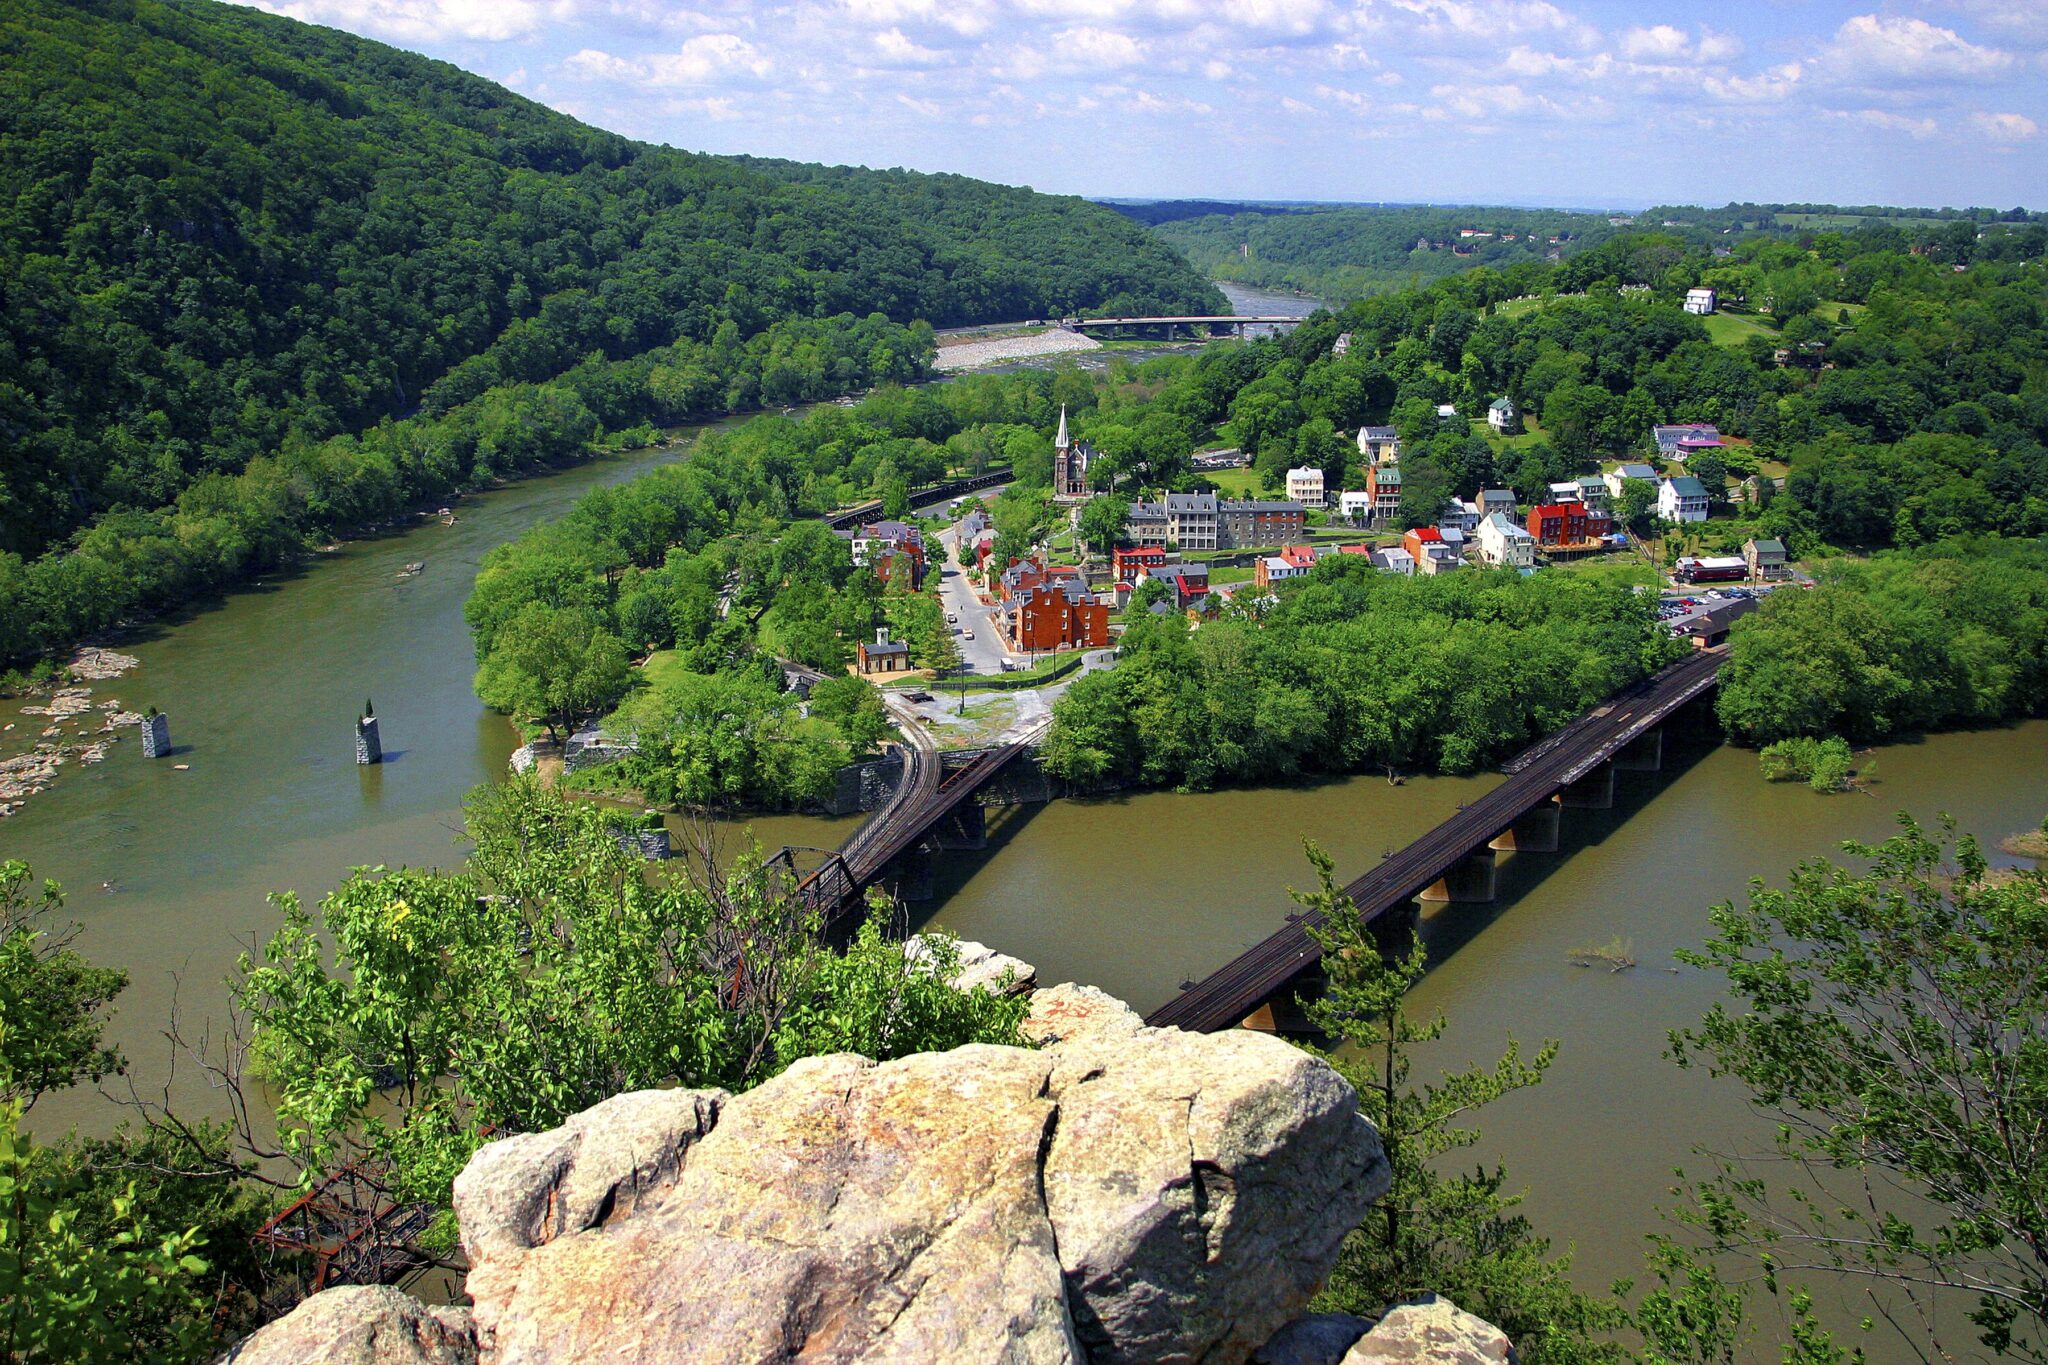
<point x="1437" y="1332"/>
<point x="1124" y="1194"/>
<point x="362" y="1326"/>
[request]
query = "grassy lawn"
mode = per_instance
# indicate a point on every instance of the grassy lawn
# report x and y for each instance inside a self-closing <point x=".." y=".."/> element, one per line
<point x="1732" y="329"/>
<point x="1235" y="483"/>
<point x="1607" y="568"/>
<point x="1532" y="432"/>
<point x="661" y="665"/>
<point x="1227" y="574"/>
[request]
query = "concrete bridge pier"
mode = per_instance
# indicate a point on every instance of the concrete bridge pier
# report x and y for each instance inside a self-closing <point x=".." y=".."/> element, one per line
<point x="1594" y="791"/>
<point x="1643" y="754"/>
<point x="1285" y="1012"/>
<point x="1470" y="879"/>
<point x="1535" y="832"/>
<point x="1394" y="929"/>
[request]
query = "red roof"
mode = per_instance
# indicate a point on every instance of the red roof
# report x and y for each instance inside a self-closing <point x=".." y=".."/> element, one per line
<point x="1426" y="534"/>
<point x="1354" y="549"/>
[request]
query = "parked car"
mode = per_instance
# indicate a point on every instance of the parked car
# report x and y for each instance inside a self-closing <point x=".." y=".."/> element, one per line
<point x="952" y="618"/>
<point x="967" y="635"/>
<point x="917" y="696"/>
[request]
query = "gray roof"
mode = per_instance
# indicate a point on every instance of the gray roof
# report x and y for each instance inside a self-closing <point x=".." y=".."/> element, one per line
<point x="1147" y="511"/>
<point x="1633" y="470"/>
<point x="1177" y="571"/>
<point x="1197" y="503"/>
<point x="890" y="647"/>
<point x="1379" y="433"/>
<point x="1267" y="506"/>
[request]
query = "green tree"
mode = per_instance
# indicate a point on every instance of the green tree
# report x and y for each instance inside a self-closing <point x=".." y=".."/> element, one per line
<point x="1637" y="504"/>
<point x="53" y="1002"/>
<point x="1888" y="1018"/>
<point x="1103" y="519"/>
<point x="555" y="665"/>
<point x="1455" y="1234"/>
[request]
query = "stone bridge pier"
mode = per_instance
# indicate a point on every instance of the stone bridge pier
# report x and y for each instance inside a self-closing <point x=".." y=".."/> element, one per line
<point x="1535" y="832"/>
<point x="1470" y="880"/>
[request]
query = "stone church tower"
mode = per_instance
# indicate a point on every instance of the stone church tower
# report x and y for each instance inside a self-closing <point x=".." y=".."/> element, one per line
<point x="1069" y="464"/>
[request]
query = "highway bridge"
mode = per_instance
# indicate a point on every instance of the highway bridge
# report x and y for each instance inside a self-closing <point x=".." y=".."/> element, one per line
<point x="860" y="513"/>
<point x="1454" y="861"/>
<point x="1214" y="324"/>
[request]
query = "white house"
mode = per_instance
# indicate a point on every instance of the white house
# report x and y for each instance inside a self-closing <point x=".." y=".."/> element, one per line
<point x="1447" y="414"/>
<point x="1393" y="559"/>
<point x="1503" y="543"/>
<point x="1305" y="486"/>
<point x="1615" y="477"/>
<point x="1379" y="445"/>
<point x="1342" y="345"/>
<point x="1355" y="505"/>
<point x="1500" y="414"/>
<point x="1567" y="491"/>
<point x="1700" y="301"/>
<point x="1460" y="514"/>
<point x="1682" y="499"/>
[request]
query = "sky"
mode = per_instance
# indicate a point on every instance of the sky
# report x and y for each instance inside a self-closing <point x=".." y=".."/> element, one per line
<point x="1598" y="103"/>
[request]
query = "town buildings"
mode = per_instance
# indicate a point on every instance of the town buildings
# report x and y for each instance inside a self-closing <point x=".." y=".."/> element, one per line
<point x="1292" y="562"/>
<point x="890" y="548"/>
<point x="1383" y="487"/>
<point x="1460" y="516"/>
<point x="1049" y="608"/>
<point x="1620" y="474"/>
<point x="1565" y="523"/>
<point x="1679" y="441"/>
<point x="1506" y="545"/>
<point x="1192" y="521"/>
<point x="1187" y="583"/>
<point x="1148" y="524"/>
<point x="1699" y="301"/>
<point x="1127" y="562"/>
<point x="883" y="656"/>
<point x="1767" y="558"/>
<point x="1492" y="500"/>
<point x="1247" y="523"/>
<point x="1379" y="445"/>
<point x="1501" y="415"/>
<point x="1428" y="551"/>
<point x="1682" y="499"/>
<point x="1305" y="486"/>
<point x="1355" y="506"/>
<point x="1070" y="461"/>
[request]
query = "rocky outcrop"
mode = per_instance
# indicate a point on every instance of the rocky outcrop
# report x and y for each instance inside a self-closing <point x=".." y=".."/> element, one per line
<point x="362" y="1326"/>
<point x="1433" y="1332"/>
<point x="1121" y="1194"/>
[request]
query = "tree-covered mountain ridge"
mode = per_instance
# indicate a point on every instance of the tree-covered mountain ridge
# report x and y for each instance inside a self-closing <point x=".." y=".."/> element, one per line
<point x="223" y="232"/>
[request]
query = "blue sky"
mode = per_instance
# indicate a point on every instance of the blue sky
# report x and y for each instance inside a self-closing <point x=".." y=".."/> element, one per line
<point x="1594" y="102"/>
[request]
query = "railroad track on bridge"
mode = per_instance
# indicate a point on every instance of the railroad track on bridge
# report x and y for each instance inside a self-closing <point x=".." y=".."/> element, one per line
<point x="1231" y="993"/>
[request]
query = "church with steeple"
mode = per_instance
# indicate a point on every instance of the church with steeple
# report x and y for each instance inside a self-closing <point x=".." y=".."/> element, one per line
<point x="1070" y="464"/>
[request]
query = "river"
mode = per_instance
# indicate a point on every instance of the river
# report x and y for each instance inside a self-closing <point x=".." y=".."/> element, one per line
<point x="1134" y="894"/>
<point x="261" y="688"/>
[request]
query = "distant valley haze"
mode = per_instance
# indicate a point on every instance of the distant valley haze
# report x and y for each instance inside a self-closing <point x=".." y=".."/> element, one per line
<point x="1584" y="103"/>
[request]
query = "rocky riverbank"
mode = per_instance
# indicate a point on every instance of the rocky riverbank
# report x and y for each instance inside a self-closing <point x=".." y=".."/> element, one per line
<point x="973" y="354"/>
<point x="1114" y="1193"/>
<point x="71" y="728"/>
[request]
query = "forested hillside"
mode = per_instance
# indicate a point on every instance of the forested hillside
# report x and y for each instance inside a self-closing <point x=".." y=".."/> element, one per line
<point x="227" y="237"/>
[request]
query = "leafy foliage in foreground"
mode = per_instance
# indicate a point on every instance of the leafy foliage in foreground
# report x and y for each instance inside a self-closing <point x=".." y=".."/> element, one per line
<point x="1890" y="1020"/>
<point x="419" y="1011"/>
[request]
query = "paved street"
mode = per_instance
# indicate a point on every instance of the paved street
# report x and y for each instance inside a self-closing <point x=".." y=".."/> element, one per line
<point x="985" y="653"/>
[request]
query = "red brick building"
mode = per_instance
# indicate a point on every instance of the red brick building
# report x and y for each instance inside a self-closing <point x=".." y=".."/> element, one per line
<point x="1566" y="523"/>
<point x="1127" y="560"/>
<point x="1055" y="614"/>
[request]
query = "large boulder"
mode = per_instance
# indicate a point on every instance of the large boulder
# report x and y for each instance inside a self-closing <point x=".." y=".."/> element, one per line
<point x="1318" y="1339"/>
<point x="1432" y="1332"/>
<point x="360" y="1325"/>
<point x="1122" y="1194"/>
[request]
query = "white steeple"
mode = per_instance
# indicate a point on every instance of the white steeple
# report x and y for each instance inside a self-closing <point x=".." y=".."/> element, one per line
<point x="1060" y="441"/>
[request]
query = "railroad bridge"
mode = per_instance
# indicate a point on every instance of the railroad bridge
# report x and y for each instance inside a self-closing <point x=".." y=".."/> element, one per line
<point x="931" y="806"/>
<point x="1455" y="861"/>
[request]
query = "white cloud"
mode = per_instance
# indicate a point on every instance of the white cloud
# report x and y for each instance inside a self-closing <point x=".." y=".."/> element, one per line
<point x="705" y="59"/>
<point x="898" y="50"/>
<point x="1766" y="87"/>
<point x="2006" y="127"/>
<point x="424" y="21"/>
<point x="1667" y="43"/>
<point x="1100" y="49"/>
<point x="1889" y="48"/>
<point x="928" y="108"/>
<point x="1885" y="119"/>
